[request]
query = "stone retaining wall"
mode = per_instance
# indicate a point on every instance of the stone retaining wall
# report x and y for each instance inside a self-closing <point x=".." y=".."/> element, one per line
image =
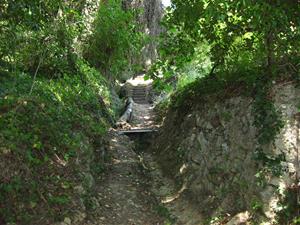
<point x="212" y="148"/>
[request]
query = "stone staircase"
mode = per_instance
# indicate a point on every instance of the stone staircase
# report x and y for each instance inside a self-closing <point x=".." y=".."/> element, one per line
<point x="140" y="94"/>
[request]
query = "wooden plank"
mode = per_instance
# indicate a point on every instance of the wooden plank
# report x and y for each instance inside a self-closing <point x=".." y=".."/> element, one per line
<point x="133" y="131"/>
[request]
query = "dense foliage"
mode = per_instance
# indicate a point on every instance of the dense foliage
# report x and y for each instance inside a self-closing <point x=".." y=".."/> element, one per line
<point x="37" y="36"/>
<point x="55" y="107"/>
<point x="116" y="40"/>
<point x="246" y="37"/>
<point x="42" y="135"/>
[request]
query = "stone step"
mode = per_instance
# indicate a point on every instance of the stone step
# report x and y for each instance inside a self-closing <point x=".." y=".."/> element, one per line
<point x="142" y="103"/>
<point x="139" y="92"/>
<point x="140" y="99"/>
<point x="135" y="131"/>
<point x="138" y="95"/>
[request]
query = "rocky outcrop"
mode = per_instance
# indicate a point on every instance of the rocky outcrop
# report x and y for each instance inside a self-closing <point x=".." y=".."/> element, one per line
<point x="212" y="147"/>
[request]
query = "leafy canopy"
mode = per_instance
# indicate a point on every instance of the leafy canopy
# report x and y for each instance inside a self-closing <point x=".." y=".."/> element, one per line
<point x="244" y="36"/>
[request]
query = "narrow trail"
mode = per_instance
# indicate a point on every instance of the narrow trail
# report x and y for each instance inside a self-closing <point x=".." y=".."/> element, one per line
<point x="123" y="194"/>
<point x="132" y="188"/>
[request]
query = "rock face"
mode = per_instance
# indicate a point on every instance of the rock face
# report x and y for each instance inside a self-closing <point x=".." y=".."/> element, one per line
<point x="215" y="143"/>
<point x="150" y="17"/>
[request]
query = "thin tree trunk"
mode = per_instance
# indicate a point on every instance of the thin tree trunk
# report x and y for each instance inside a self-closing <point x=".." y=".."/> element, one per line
<point x="36" y="72"/>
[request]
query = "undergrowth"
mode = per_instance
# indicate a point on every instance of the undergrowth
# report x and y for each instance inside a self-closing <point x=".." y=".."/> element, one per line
<point x="41" y="138"/>
<point x="226" y="85"/>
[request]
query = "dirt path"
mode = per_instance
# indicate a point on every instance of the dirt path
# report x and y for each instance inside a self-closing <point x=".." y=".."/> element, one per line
<point x="172" y="197"/>
<point x="123" y="194"/>
<point x="143" y="117"/>
<point x="133" y="190"/>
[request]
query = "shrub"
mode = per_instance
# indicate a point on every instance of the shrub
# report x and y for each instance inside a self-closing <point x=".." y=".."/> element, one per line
<point x="42" y="135"/>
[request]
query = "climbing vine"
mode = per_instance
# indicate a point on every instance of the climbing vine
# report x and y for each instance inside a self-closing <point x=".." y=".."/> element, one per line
<point x="267" y="120"/>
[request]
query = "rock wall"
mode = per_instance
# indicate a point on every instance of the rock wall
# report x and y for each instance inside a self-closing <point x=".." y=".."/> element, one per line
<point x="212" y="149"/>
